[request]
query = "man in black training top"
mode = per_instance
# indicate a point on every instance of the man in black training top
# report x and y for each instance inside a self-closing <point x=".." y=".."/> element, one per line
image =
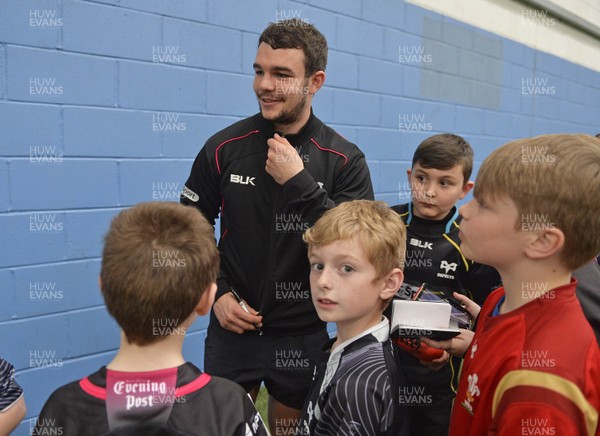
<point x="271" y="176"/>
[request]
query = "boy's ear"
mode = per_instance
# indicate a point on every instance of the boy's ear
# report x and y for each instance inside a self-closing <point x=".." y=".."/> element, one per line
<point x="545" y="243"/>
<point x="408" y="173"/>
<point x="466" y="189"/>
<point x="206" y="300"/>
<point x="391" y="284"/>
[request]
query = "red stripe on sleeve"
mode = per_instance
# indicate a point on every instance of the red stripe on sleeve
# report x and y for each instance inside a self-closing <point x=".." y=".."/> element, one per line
<point x="331" y="151"/>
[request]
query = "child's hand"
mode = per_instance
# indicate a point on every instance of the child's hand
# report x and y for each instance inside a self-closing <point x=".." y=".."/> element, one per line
<point x="457" y="346"/>
<point x="471" y="307"/>
<point x="419" y="349"/>
<point x="437" y="364"/>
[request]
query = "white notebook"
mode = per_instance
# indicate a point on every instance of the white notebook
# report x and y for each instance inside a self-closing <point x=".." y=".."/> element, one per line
<point x="422" y="318"/>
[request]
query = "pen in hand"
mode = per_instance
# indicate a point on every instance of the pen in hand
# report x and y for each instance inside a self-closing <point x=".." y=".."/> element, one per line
<point x="243" y="305"/>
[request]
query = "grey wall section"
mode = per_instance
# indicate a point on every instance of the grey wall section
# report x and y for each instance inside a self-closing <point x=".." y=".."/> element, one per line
<point x="470" y="74"/>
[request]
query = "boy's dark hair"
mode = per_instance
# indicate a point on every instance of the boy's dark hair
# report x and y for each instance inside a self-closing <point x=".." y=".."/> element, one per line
<point x="444" y="151"/>
<point x="295" y="33"/>
<point x="158" y="260"/>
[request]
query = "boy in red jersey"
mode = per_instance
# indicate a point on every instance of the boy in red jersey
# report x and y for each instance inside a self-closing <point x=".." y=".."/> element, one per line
<point x="533" y="366"/>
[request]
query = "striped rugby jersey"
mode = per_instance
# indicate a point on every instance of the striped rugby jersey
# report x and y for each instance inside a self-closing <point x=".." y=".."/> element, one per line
<point x="357" y="391"/>
<point x="10" y="391"/>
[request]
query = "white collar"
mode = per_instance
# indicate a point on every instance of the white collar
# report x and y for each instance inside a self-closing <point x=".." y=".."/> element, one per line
<point x="381" y="331"/>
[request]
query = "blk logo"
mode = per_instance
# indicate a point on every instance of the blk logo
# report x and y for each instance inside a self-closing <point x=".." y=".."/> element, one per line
<point x="421" y="244"/>
<point x="242" y="180"/>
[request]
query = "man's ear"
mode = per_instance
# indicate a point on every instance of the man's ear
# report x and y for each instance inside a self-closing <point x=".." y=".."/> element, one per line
<point x="466" y="189"/>
<point x="206" y="300"/>
<point x="316" y="81"/>
<point x="545" y="243"/>
<point x="391" y="284"/>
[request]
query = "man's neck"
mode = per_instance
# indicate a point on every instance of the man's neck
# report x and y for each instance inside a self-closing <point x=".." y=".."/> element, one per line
<point x="296" y="127"/>
<point x="162" y="354"/>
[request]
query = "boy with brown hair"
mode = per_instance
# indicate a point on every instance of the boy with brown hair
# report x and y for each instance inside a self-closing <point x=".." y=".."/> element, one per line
<point x="534" y="217"/>
<point x="438" y="178"/>
<point x="356" y="253"/>
<point x="159" y="267"/>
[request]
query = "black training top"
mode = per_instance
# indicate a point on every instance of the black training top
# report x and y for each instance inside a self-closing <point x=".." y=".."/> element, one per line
<point x="262" y="252"/>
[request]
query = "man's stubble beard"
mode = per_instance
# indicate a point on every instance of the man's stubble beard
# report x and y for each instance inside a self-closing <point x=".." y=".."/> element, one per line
<point x="290" y="116"/>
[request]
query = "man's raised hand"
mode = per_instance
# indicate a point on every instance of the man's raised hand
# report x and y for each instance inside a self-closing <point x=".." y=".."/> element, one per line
<point x="283" y="161"/>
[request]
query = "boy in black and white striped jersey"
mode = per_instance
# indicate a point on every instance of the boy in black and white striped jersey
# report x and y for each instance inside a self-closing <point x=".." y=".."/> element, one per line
<point x="356" y="251"/>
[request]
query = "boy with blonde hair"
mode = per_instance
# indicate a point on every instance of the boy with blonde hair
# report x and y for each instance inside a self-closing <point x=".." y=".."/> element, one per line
<point x="356" y="253"/>
<point x="533" y="366"/>
<point x="159" y="267"/>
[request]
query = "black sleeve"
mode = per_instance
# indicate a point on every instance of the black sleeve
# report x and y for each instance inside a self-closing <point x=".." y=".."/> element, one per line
<point x="202" y="191"/>
<point x="480" y="281"/>
<point x="253" y="423"/>
<point x="353" y="182"/>
<point x="588" y="293"/>
<point x="52" y="417"/>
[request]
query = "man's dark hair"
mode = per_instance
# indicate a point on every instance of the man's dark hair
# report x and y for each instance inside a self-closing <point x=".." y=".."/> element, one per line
<point x="443" y="152"/>
<point x="295" y="33"/>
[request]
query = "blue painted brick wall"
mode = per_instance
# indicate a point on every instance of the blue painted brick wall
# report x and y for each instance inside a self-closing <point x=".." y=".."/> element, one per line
<point x="108" y="105"/>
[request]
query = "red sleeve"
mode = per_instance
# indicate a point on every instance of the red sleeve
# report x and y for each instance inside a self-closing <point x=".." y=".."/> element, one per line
<point x="536" y="419"/>
<point x="536" y="410"/>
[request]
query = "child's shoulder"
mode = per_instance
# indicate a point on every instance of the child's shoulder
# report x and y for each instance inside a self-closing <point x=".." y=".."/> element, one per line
<point x="365" y="359"/>
<point x="401" y="209"/>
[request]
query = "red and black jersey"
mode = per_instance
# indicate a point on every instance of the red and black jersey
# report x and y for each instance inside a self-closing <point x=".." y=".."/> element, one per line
<point x="262" y="252"/>
<point x="534" y="370"/>
<point x="201" y="405"/>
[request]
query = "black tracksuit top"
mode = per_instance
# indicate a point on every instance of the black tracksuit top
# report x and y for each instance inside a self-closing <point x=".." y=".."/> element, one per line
<point x="262" y="252"/>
